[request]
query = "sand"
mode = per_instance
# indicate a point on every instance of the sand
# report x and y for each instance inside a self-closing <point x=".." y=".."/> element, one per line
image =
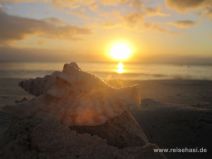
<point x="173" y="113"/>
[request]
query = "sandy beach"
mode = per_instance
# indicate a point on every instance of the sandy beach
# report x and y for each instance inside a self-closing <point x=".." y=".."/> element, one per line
<point x="105" y="79"/>
<point x="173" y="113"/>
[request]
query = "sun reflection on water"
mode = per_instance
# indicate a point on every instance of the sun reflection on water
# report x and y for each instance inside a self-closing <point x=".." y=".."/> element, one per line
<point x="120" y="68"/>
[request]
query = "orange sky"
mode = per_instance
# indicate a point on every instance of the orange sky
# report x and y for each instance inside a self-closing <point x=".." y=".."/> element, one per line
<point x="58" y="30"/>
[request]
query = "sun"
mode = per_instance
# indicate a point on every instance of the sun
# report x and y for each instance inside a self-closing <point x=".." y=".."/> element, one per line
<point x="120" y="51"/>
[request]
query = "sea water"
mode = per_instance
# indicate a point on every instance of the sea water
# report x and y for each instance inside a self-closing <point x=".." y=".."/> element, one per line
<point x="110" y="70"/>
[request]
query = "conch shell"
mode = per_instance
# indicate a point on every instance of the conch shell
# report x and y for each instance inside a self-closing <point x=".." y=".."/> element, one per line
<point x="76" y="97"/>
<point x="75" y="114"/>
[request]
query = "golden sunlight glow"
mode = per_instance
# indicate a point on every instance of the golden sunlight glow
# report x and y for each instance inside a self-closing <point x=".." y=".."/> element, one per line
<point x="120" y="51"/>
<point x="120" y="68"/>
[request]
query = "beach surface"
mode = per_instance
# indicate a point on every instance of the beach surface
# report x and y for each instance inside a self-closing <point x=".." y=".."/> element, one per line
<point x="173" y="113"/>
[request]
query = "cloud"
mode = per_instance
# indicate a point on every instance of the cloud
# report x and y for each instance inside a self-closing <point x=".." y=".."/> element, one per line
<point x="73" y="3"/>
<point x="132" y="3"/>
<point x="93" y="5"/>
<point x="138" y="17"/>
<point x="17" y="28"/>
<point x="133" y="18"/>
<point x="182" y="5"/>
<point x="150" y="11"/>
<point x="22" y="54"/>
<point x="209" y="12"/>
<point x="135" y="13"/>
<point x="142" y="12"/>
<point x="204" y="6"/>
<point x="136" y="20"/>
<point x="183" y="24"/>
<point x="17" y="54"/>
<point x="20" y="1"/>
<point x="155" y="26"/>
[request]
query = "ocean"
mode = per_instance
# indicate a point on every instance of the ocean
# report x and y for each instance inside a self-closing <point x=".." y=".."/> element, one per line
<point x="109" y="71"/>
